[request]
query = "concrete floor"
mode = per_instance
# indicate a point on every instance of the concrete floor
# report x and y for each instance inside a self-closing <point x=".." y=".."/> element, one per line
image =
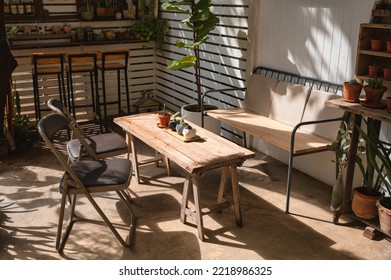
<point x="29" y="206"/>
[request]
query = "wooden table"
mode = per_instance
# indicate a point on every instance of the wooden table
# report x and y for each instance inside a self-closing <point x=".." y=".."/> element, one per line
<point x="358" y="112"/>
<point x="195" y="158"/>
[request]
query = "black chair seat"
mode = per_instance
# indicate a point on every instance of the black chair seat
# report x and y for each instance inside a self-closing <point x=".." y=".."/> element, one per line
<point x="106" y="143"/>
<point x="101" y="173"/>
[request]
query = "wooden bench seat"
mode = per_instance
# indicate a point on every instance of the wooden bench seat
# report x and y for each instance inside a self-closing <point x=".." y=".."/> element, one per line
<point x="272" y="131"/>
<point x="285" y="110"/>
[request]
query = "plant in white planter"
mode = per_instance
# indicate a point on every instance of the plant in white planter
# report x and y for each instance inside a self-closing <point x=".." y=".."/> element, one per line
<point x="201" y="21"/>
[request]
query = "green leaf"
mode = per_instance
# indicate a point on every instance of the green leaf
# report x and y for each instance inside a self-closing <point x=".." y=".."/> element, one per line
<point x="174" y="6"/>
<point x="185" y="62"/>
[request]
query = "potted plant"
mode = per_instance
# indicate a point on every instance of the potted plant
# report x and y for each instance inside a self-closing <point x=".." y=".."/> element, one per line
<point x="20" y="122"/>
<point x="201" y="21"/>
<point x="150" y="29"/>
<point x="352" y="91"/>
<point x="374" y="91"/>
<point x="365" y="197"/>
<point x="99" y="8"/>
<point x="87" y="11"/>
<point x="373" y="70"/>
<point x="375" y="44"/>
<point x="175" y="119"/>
<point x="163" y="117"/>
<point x="387" y="74"/>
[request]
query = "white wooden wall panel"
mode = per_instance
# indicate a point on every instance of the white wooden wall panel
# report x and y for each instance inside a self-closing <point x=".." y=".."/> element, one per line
<point x="313" y="38"/>
<point x="223" y="57"/>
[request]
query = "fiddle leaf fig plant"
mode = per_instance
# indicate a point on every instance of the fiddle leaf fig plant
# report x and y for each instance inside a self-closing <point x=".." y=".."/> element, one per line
<point x="201" y="21"/>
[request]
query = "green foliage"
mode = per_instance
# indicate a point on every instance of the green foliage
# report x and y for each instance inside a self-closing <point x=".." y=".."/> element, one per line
<point x="10" y="35"/>
<point x="150" y="29"/>
<point x="353" y="82"/>
<point x="375" y="83"/>
<point x="201" y="21"/>
<point x="341" y="146"/>
<point x="378" y="153"/>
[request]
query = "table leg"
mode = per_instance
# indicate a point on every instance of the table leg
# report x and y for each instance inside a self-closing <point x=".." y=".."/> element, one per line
<point x="185" y="198"/>
<point x="134" y="156"/>
<point x="223" y="183"/>
<point x="192" y="183"/>
<point x="198" y="210"/>
<point x="236" y="195"/>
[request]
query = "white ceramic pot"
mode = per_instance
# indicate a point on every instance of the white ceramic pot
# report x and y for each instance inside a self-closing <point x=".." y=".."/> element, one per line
<point x="210" y="124"/>
<point x="189" y="133"/>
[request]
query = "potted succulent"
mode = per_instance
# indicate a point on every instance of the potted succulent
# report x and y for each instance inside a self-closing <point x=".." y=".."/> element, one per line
<point x="175" y="119"/>
<point x="201" y="20"/>
<point x="163" y="117"/>
<point x="373" y="70"/>
<point x="352" y="91"/>
<point x="374" y="91"/>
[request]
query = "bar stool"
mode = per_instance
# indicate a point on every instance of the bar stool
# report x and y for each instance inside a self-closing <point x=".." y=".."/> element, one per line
<point x="115" y="60"/>
<point x="79" y="63"/>
<point x="48" y="64"/>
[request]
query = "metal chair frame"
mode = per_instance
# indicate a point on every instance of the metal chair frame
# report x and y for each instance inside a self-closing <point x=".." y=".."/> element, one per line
<point x="56" y="106"/>
<point x="71" y="185"/>
<point x="45" y="64"/>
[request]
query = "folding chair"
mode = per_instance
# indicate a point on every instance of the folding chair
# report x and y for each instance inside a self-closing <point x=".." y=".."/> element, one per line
<point x="98" y="146"/>
<point x="87" y="177"/>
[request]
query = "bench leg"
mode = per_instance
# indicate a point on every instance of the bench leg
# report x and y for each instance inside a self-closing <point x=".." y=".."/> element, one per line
<point x="288" y="182"/>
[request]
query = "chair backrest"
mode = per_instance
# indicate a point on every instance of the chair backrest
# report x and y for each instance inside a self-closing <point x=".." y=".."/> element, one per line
<point x="77" y="132"/>
<point x="119" y="57"/>
<point x="82" y="61"/>
<point x="51" y="62"/>
<point x="56" y="106"/>
<point x="49" y="126"/>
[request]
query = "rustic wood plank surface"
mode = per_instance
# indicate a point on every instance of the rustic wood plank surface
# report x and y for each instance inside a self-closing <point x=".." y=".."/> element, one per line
<point x="210" y="152"/>
<point x="269" y="130"/>
<point x="357" y="108"/>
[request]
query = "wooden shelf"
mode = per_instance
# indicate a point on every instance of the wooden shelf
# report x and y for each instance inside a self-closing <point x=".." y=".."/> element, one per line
<point x="367" y="57"/>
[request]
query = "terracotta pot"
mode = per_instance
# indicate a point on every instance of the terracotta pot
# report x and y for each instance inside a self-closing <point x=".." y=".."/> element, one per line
<point x="387" y="74"/>
<point x="384" y="214"/>
<point x="373" y="71"/>
<point x="373" y="96"/>
<point x="100" y="12"/>
<point x="388" y="103"/>
<point x="109" y="12"/>
<point x="163" y="119"/>
<point x="351" y="93"/>
<point x="389" y="46"/>
<point x="363" y="205"/>
<point x="375" y="45"/>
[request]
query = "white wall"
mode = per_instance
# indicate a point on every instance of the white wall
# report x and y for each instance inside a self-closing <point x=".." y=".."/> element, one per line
<point x="314" y="38"/>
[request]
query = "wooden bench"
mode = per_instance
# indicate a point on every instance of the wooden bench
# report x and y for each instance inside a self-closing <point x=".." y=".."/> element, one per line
<point x="287" y="111"/>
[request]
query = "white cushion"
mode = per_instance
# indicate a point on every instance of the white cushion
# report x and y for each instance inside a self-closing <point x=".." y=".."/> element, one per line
<point x="259" y="94"/>
<point x="289" y="102"/>
<point x="317" y="110"/>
